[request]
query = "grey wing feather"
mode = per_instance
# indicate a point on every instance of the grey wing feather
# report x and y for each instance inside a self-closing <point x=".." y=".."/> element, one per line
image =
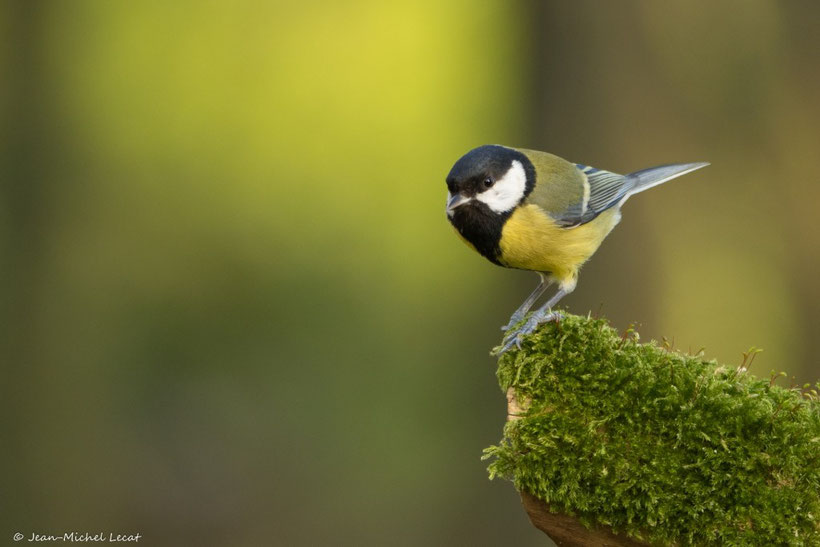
<point x="608" y="189"/>
<point x="605" y="190"/>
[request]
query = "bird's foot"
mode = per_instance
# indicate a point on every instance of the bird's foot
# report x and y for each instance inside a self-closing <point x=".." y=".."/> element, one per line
<point x="514" y="320"/>
<point x="529" y="327"/>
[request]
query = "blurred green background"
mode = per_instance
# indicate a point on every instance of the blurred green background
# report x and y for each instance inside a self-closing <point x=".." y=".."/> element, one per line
<point x="233" y="311"/>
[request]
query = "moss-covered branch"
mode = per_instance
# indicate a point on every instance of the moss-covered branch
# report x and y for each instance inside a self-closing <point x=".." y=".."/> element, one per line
<point x="658" y="445"/>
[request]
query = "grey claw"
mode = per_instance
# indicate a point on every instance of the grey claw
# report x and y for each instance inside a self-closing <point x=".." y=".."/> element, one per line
<point x="515" y="339"/>
<point x="527" y="328"/>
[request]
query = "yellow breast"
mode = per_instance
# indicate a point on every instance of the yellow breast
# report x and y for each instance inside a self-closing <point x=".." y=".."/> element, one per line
<point x="531" y="240"/>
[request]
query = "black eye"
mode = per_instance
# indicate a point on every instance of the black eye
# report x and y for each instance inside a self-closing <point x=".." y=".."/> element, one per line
<point x="488" y="182"/>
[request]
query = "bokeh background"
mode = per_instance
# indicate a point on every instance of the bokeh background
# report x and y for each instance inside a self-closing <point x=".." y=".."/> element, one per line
<point x="233" y="312"/>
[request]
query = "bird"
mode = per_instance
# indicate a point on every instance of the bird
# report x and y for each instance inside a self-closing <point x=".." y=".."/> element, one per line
<point x="532" y="210"/>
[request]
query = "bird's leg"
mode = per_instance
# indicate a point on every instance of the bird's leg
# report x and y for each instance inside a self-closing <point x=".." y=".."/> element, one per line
<point x="541" y="315"/>
<point x="522" y="310"/>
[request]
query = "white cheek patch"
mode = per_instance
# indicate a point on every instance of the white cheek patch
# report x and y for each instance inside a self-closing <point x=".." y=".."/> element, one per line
<point x="507" y="191"/>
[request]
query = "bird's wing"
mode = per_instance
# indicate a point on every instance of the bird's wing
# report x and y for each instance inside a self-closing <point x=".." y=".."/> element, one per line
<point x="574" y="194"/>
<point x="559" y="184"/>
<point x="601" y="190"/>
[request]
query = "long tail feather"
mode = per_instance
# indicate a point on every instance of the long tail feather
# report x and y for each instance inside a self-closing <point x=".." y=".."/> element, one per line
<point x="647" y="178"/>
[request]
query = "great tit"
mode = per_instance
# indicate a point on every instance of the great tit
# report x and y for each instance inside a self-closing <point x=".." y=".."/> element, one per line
<point x="535" y="211"/>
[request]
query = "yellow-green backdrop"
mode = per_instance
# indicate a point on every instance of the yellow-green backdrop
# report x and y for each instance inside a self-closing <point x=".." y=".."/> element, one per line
<point x="233" y="311"/>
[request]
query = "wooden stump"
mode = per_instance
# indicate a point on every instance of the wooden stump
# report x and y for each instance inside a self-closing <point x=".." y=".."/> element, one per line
<point x="564" y="529"/>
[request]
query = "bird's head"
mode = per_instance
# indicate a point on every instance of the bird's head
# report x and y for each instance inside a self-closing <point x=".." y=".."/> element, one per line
<point x="490" y="177"/>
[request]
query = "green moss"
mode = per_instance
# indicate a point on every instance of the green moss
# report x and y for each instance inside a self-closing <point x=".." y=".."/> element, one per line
<point x="660" y="445"/>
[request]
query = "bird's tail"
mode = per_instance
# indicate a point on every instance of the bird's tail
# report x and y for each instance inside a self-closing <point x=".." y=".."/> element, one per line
<point x="647" y="178"/>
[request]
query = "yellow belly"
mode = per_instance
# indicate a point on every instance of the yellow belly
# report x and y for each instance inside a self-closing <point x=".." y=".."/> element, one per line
<point x="531" y="240"/>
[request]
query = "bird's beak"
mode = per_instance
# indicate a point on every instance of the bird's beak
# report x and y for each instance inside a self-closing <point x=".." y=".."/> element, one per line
<point x="456" y="200"/>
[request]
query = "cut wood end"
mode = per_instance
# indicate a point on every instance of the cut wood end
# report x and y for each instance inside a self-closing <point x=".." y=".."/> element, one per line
<point x="515" y="409"/>
<point x="568" y="531"/>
